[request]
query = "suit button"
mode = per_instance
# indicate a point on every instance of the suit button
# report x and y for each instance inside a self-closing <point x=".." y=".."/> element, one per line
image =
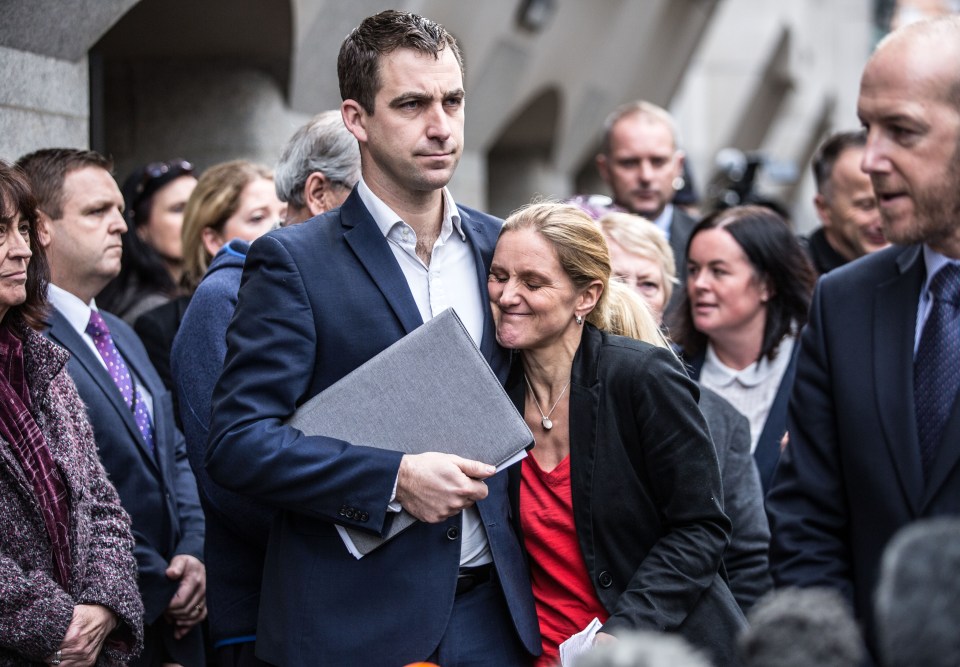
<point x="605" y="579"/>
<point x="351" y="513"/>
<point x="363" y="516"/>
<point x="343" y="510"/>
<point x="453" y="533"/>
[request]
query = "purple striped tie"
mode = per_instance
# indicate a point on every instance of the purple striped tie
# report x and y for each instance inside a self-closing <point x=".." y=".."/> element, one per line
<point x="117" y="367"/>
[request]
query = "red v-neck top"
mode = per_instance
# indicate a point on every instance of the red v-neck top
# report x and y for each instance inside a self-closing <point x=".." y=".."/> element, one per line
<point x="564" y="595"/>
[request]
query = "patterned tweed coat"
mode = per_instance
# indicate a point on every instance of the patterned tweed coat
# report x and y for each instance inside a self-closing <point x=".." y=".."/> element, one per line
<point x="34" y="610"/>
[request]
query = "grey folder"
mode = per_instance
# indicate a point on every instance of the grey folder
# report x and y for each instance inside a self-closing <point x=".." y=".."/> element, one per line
<point x="431" y="391"/>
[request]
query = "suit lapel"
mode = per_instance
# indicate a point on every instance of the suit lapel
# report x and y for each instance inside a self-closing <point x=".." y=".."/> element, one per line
<point x="482" y="243"/>
<point x="67" y="336"/>
<point x="372" y="249"/>
<point x="894" y="320"/>
<point x="584" y="408"/>
<point x="136" y="364"/>
<point x="767" y="453"/>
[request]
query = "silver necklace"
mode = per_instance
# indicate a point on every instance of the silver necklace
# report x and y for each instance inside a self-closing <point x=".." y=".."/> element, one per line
<point x="545" y="418"/>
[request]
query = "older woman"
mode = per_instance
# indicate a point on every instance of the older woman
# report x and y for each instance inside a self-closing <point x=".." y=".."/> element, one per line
<point x="749" y="284"/>
<point x="155" y="197"/>
<point x="68" y="578"/>
<point x="619" y="502"/>
<point x="641" y="257"/>
<point x="232" y="200"/>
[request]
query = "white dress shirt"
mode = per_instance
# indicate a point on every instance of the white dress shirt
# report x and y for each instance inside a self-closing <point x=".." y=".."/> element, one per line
<point x="751" y="390"/>
<point x="450" y="281"/>
<point x="665" y="220"/>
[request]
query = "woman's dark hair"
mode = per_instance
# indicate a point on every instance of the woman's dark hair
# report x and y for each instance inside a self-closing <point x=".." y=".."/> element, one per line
<point x="141" y="264"/>
<point x="16" y="197"/>
<point x="777" y="258"/>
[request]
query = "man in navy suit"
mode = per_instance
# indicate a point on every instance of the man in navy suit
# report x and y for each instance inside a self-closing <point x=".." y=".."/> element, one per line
<point x="318" y="300"/>
<point x="874" y="426"/>
<point x="128" y="406"/>
<point x="642" y="162"/>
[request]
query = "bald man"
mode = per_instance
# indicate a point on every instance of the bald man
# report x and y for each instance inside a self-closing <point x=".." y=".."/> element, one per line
<point x="874" y="421"/>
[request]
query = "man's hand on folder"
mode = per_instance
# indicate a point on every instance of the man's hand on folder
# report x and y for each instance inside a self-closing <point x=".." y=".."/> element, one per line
<point x="434" y="486"/>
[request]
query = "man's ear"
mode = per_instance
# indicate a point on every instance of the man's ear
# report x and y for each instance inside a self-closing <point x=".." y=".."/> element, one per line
<point x="603" y="167"/>
<point x="44" y="229"/>
<point x="354" y="117"/>
<point x="314" y="193"/>
<point x="823" y="210"/>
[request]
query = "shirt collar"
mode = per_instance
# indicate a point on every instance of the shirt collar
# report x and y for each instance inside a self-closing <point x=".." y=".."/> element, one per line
<point x="721" y="375"/>
<point x="75" y="311"/>
<point x="664" y="219"/>
<point x="387" y="219"/>
<point x="934" y="262"/>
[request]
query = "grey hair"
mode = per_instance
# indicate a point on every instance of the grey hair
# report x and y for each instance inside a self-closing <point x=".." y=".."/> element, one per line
<point x="917" y="603"/>
<point x="796" y="627"/>
<point x="644" y="649"/>
<point x="324" y="144"/>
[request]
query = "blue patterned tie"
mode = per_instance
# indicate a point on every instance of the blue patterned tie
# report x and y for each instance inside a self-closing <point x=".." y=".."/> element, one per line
<point x="936" y="369"/>
<point x="117" y="367"/>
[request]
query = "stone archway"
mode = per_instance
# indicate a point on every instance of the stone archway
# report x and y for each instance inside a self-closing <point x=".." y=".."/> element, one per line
<point x="520" y="161"/>
<point x="202" y="80"/>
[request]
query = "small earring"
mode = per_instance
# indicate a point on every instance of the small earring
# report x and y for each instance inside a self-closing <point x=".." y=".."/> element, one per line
<point x="579" y="319"/>
<point x="678" y="183"/>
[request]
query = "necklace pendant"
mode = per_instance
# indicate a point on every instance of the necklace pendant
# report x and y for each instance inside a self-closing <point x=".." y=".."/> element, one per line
<point x="547" y="424"/>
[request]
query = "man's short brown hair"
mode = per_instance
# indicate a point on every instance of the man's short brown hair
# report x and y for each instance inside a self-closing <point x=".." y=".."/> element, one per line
<point x="47" y="169"/>
<point x="358" y="64"/>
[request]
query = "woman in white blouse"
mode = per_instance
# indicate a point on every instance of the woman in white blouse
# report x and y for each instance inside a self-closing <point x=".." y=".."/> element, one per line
<point x="748" y="290"/>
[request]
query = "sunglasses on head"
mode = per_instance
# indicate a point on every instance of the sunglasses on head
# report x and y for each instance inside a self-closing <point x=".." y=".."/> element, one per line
<point x="157" y="169"/>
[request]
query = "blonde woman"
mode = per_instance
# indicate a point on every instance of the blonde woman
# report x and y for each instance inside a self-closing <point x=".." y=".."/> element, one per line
<point x="619" y="504"/>
<point x="231" y="200"/>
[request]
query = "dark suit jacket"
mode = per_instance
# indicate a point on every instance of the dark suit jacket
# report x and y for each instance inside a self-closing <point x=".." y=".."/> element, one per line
<point x="680" y="227"/>
<point x="317" y="300"/>
<point x="646" y="493"/>
<point x="851" y="475"/>
<point x="157" y="490"/>
<point x="156" y="329"/>
<point x="767" y="453"/>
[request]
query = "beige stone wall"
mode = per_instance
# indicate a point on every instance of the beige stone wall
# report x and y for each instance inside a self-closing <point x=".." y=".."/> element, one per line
<point x="236" y="78"/>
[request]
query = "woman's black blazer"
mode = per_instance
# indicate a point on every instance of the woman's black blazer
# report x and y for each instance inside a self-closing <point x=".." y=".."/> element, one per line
<point x="646" y="491"/>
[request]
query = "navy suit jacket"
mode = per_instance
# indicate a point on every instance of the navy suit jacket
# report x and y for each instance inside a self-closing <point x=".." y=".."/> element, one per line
<point x="851" y="475"/>
<point x="767" y="453"/>
<point x="158" y="489"/>
<point x="316" y="301"/>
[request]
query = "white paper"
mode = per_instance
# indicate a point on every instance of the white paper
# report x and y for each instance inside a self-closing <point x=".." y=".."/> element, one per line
<point x="579" y="643"/>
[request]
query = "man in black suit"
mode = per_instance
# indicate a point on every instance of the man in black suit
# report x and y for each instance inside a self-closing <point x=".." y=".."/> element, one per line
<point x="641" y="161"/>
<point x="874" y="421"/>
<point x="128" y="406"/>
<point x="845" y="204"/>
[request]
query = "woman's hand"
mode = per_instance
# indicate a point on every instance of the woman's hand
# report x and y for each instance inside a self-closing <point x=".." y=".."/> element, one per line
<point x="89" y="628"/>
